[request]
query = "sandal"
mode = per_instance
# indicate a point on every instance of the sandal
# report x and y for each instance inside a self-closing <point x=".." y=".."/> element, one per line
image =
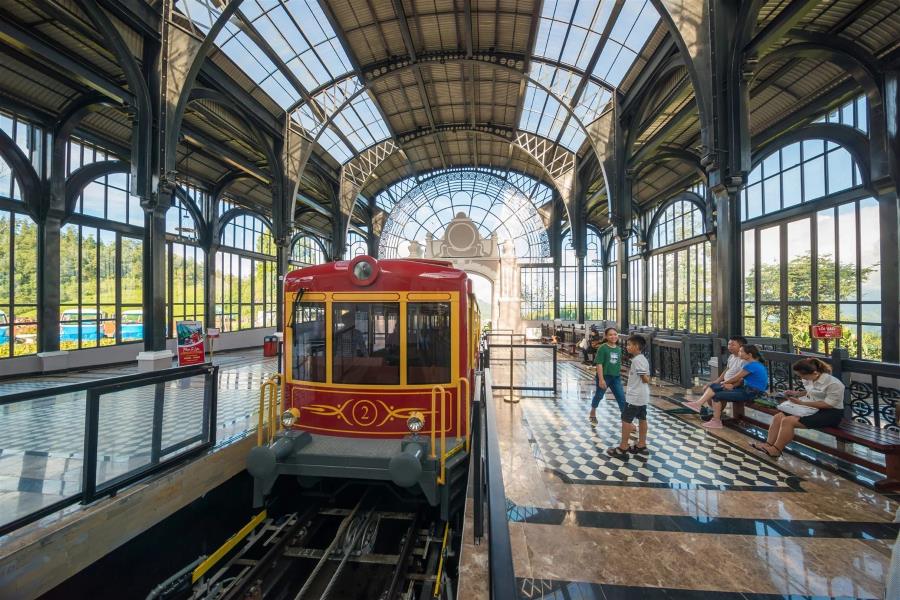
<point x="592" y="419"/>
<point x="635" y="449"/>
<point x="759" y="447"/>
<point x="617" y="452"/>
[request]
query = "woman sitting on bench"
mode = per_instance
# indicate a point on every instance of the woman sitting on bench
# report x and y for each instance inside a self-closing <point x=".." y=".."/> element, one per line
<point x="825" y="393"/>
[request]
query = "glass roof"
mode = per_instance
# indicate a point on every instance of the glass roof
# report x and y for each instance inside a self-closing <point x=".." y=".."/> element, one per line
<point x="300" y="35"/>
<point x="495" y="204"/>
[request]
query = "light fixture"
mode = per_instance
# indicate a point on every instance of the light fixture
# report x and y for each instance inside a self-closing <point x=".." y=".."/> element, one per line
<point x="289" y="417"/>
<point x="415" y="422"/>
<point x="363" y="270"/>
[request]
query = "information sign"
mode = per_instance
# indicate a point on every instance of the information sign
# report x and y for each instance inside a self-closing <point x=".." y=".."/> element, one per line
<point x="826" y="331"/>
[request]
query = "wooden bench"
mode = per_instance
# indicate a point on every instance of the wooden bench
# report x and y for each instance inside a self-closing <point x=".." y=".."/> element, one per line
<point x="880" y="440"/>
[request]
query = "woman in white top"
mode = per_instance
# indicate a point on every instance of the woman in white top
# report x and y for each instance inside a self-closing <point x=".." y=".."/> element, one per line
<point x="824" y="392"/>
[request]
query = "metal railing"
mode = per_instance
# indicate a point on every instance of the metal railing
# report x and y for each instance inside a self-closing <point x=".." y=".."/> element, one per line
<point x="487" y="479"/>
<point x="270" y="404"/>
<point x="115" y="451"/>
<point x="492" y="358"/>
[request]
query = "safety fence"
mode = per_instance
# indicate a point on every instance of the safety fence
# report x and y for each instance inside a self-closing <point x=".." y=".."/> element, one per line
<point x="489" y="496"/>
<point x="523" y="367"/>
<point x="97" y="437"/>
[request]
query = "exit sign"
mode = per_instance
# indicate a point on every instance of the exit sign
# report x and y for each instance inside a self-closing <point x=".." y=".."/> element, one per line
<point x="826" y="331"/>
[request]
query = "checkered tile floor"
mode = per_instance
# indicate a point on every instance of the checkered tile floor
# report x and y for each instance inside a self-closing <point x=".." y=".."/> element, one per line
<point x="682" y="454"/>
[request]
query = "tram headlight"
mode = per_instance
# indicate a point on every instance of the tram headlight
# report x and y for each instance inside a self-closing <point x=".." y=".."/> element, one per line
<point x="362" y="270"/>
<point x="415" y="422"/>
<point x="289" y="417"/>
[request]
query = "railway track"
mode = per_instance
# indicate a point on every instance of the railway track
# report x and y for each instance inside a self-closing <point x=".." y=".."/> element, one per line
<point x="365" y="552"/>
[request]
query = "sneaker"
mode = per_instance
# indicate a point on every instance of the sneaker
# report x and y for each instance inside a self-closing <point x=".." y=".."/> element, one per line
<point x="713" y="424"/>
<point x="694" y="406"/>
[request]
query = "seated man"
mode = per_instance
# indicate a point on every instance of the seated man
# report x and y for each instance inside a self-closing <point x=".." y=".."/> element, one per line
<point x="728" y="376"/>
<point x="755" y="378"/>
<point x="593" y="342"/>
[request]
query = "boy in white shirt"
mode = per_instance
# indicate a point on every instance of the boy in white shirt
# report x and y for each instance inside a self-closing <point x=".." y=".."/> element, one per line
<point x="637" y="397"/>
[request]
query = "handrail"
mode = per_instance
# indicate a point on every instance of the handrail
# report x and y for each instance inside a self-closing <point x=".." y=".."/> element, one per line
<point x="160" y="457"/>
<point x="468" y="404"/>
<point x="268" y="409"/>
<point x="434" y="391"/>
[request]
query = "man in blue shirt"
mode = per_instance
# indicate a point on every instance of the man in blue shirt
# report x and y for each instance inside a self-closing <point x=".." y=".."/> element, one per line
<point x="755" y="380"/>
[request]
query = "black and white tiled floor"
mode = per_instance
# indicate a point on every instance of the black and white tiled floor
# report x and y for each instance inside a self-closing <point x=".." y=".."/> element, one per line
<point x="682" y="455"/>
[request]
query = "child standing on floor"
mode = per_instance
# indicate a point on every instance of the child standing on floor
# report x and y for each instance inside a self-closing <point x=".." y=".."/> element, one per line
<point x="609" y="367"/>
<point x="637" y="396"/>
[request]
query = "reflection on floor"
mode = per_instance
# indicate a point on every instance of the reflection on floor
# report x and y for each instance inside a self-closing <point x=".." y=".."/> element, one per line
<point x="41" y="441"/>
<point x="702" y="516"/>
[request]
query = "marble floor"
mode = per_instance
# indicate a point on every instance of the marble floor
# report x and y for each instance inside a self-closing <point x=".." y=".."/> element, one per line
<point x="41" y="441"/>
<point x="703" y="516"/>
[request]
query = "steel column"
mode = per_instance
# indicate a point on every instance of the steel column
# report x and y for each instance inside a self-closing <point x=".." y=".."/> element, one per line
<point x="154" y="290"/>
<point x="48" y="284"/>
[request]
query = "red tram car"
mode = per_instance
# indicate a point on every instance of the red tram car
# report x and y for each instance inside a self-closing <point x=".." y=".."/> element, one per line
<point x="378" y="373"/>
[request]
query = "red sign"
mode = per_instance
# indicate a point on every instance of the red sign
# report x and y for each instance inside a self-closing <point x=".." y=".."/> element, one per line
<point x="190" y="343"/>
<point x="826" y="331"/>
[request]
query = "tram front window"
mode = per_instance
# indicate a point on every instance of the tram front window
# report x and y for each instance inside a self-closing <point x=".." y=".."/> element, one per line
<point x="428" y="342"/>
<point x="366" y="343"/>
<point x="308" y="332"/>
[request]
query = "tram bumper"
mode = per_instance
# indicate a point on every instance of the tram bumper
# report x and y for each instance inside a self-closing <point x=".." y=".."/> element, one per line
<point x="405" y="467"/>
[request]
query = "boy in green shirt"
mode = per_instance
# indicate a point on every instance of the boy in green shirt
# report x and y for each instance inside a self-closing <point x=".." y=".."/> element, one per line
<point x="609" y="367"/>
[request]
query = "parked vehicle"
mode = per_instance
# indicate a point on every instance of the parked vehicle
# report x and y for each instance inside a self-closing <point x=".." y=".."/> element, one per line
<point x="132" y="326"/>
<point x="4" y="328"/>
<point x="75" y="324"/>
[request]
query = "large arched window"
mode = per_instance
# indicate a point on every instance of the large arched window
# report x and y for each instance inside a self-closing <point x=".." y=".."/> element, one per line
<point x="795" y="174"/>
<point x="593" y="277"/>
<point x="307" y="251"/>
<point x="678" y="273"/>
<point x="101" y="267"/>
<point x="568" y="281"/>
<point x="505" y="206"/>
<point x="18" y="272"/>
<point x="185" y="262"/>
<point x="246" y="275"/>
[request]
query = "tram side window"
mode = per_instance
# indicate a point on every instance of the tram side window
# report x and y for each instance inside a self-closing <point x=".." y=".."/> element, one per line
<point x="309" y="341"/>
<point x="366" y="343"/>
<point x="428" y="342"/>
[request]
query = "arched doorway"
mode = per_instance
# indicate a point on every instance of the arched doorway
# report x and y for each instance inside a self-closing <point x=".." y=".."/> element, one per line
<point x="483" y="288"/>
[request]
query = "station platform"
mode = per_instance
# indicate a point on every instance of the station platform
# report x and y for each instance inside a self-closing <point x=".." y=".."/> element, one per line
<point x="703" y="516"/>
<point x="41" y="462"/>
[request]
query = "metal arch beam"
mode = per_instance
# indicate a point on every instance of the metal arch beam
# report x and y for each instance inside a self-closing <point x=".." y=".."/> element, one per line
<point x="71" y="116"/>
<point x="420" y="81"/>
<point x="853" y="140"/>
<point x="300" y="235"/>
<point x="858" y="63"/>
<point x="183" y="56"/>
<point x="661" y="62"/>
<point x="775" y="29"/>
<point x="36" y="47"/>
<point x="205" y="235"/>
<point x="537" y="9"/>
<point x="23" y="172"/>
<point x="659" y="137"/>
<point x="141" y="138"/>
<point x="76" y="182"/>
<point x="672" y="154"/>
<point x="644" y="107"/>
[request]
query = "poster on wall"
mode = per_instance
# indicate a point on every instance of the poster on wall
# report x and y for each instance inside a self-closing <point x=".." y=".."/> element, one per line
<point x="190" y="343"/>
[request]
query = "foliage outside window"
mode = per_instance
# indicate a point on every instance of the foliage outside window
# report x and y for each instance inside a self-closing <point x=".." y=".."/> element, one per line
<point x="612" y="276"/>
<point x="798" y="173"/>
<point x="308" y="333"/>
<point x="18" y="283"/>
<point x="101" y="276"/>
<point x="428" y="342"/>
<point x="185" y="264"/>
<point x="821" y="267"/>
<point x="568" y="281"/>
<point x="246" y="276"/>
<point x="366" y="343"/>
<point x="593" y="278"/>
<point x="679" y="287"/>
<point x="536" y="293"/>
